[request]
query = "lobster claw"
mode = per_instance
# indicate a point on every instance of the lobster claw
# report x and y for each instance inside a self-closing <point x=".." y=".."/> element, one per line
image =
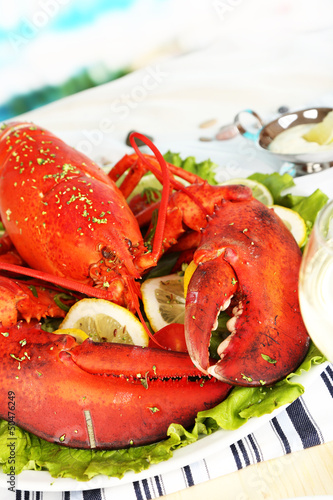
<point x="201" y="311"/>
<point x="99" y="395"/>
<point x="240" y="264"/>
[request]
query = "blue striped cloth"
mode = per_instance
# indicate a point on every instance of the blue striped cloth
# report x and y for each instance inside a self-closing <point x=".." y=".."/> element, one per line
<point x="306" y="422"/>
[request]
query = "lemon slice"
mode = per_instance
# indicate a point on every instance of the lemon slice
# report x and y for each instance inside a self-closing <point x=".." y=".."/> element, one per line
<point x="104" y="321"/>
<point x="294" y="222"/>
<point x="322" y="132"/>
<point x="163" y="300"/>
<point x="188" y="275"/>
<point x="259" y="190"/>
<point x="79" y="335"/>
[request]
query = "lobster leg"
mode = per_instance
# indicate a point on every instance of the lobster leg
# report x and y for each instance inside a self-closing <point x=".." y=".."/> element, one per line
<point x="26" y="300"/>
<point x="121" y="166"/>
<point x="129" y="162"/>
<point x="132" y="178"/>
<point x="8" y="252"/>
<point x="11" y="257"/>
<point x="250" y="245"/>
<point x="84" y="395"/>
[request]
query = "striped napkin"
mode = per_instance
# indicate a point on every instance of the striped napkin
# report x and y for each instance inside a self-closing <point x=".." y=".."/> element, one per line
<point x="304" y="423"/>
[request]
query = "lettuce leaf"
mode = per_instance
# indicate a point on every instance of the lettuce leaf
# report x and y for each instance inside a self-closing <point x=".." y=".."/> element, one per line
<point x="205" y="169"/>
<point x="244" y="402"/>
<point x="276" y="183"/>
<point x="307" y="206"/>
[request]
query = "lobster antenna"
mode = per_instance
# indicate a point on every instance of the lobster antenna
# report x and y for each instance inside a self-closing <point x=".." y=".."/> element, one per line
<point x="158" y="239"/>
<point x="55" y="280"/>
<point x="131" y="286"/>
<point x="176" y="184"/>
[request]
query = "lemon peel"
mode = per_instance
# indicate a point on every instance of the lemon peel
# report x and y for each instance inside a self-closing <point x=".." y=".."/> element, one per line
<point x="188" y="275"/>
<point x="294" y="222"/>
<point x="79" y="335"/>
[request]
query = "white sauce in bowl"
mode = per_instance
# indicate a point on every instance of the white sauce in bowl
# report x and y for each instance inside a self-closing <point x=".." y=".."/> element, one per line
<point x="290" y="141"/>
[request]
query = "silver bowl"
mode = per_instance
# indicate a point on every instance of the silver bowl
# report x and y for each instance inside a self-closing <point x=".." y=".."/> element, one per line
<point x="302" y="163"/>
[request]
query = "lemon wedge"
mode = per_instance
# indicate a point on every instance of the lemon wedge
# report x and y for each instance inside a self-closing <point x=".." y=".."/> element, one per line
<point x="294" y="222"/>
<point x="188" y="275"/>
<point x="322" y="132"/>
<point x="163" y="300"/>
<point x="259" y="190"/>
<point x="104" y="321"/>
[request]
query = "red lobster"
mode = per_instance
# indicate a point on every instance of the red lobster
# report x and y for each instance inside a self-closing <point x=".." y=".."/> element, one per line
<point x="91" y="396"/>
<point x="72" y="226"/>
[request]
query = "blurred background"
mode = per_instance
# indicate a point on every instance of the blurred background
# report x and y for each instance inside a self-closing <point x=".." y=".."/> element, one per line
<point x="53" y="48"/>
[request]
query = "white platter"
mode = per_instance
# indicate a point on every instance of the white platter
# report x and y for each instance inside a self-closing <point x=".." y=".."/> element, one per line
<point x="237" y="165"/>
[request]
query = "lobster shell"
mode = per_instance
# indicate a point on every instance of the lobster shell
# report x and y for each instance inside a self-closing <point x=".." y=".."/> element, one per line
<point x="99" y="395"/>
<point x="64" y="215"/>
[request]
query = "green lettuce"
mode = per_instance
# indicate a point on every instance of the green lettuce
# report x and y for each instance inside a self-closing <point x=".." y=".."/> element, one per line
<point x="276" y="183"/>
<point x="248" y="402"/>
<point x="204" y="169"/>
<point x="306" y="206"/>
